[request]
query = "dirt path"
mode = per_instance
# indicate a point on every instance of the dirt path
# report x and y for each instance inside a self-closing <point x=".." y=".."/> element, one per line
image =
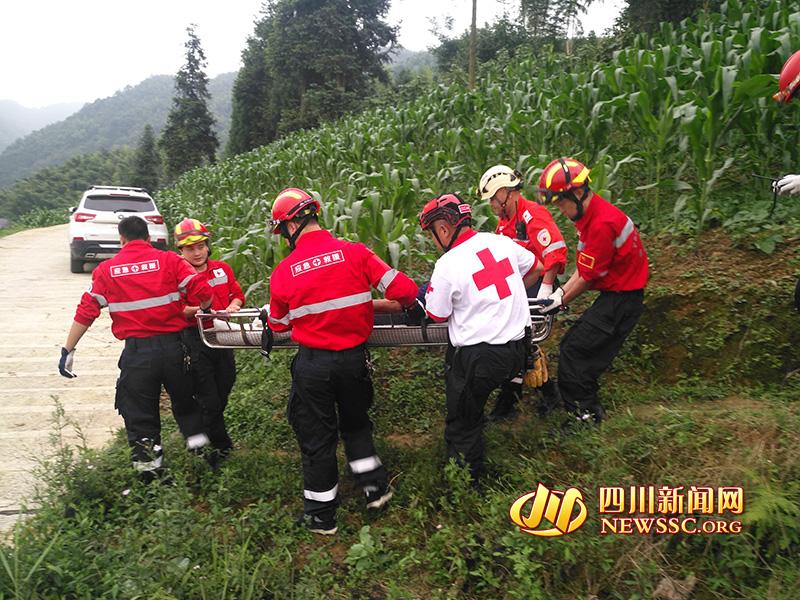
<point x="36" y="310"/>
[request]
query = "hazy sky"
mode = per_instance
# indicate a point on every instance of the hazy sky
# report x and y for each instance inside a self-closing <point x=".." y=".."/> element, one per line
<point x="79" y="50"/>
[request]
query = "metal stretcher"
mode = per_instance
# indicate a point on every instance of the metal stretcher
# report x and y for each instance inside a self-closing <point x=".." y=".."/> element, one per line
<point x="243" y="330"/>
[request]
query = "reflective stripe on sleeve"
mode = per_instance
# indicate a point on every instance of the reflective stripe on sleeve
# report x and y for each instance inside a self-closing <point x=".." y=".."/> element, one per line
<point x="553" y="247"/>
<point x="182" y="284"/>
<point x="101" y="300"/>
<point x="336" y="303"/>
<point x="281" y="321"/>
<point x="625" y="234"/>
<point x="365" y="465"/>
<point x="144" y="303"/>
<point x="387" y="279"/>
<point x="328" y="496"/>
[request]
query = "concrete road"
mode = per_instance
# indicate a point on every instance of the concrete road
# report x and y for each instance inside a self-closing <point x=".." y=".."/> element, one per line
<point x="36" y="309"/>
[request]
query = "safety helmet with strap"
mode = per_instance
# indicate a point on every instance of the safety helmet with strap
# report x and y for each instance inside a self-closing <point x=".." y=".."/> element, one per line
<point x="190" y="231"/>
<point x="293" y="203"/>
<point x="497" y="177"/>
<point x="789" y="83"/>
<point x="450" y="208"/>
<point x="561" y="179"/>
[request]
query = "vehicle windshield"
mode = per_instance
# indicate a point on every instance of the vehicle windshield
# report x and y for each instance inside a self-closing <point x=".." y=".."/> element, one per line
<point x="119" y="204"/>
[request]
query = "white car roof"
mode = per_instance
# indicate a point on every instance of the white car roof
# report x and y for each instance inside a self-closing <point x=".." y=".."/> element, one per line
<point x="98" y="190"/>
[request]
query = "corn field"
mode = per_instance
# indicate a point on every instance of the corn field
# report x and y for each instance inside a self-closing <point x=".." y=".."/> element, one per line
<point x="673" y="129"/>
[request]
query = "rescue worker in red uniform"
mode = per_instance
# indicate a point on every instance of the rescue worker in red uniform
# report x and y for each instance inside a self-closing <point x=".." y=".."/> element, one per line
<point x="214" y="369"/>
<point x="322" y="292"/>
<point x="788" y="89"/>
<point x="478" y="287"/>
<point x="611" y="259"/>
<point x="143" y="289"/>
<point x="530" y="225"/>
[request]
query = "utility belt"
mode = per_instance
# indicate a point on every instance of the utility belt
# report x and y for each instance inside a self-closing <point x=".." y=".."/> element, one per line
<point x="523" y="341"/>
<point x="163" y="340"/>
<point x="632" y="293"/>
<point x="359" y="350"/>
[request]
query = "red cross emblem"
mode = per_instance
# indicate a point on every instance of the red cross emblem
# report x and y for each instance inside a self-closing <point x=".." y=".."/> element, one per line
<point x="493" y="273"/>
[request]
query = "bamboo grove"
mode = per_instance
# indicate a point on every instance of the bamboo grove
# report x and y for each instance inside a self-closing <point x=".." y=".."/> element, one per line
<point x="673" y="127"/>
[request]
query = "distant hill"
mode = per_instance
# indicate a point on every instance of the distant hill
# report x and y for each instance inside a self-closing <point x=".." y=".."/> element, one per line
<point x="17" y="121"/>
<point x="108" y="123"/>
<point x="410" y="60"/>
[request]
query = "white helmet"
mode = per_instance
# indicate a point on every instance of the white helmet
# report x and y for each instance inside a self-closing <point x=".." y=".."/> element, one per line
<point x="499" y="176"/>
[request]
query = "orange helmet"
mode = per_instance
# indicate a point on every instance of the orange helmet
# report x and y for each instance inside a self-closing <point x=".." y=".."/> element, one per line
<point x="190" y="231"/>
<point x="560" y="176"/>
<point x="292" y="203"/>
<point x="789" y="83"/>
<point x="449" y="207"/>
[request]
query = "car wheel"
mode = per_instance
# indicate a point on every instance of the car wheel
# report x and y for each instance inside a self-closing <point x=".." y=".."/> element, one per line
<point x="76" y="265"/>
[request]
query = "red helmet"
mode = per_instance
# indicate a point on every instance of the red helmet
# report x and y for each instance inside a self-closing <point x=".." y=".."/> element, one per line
<point x="292" y="203"/>
<point x="789" y="83"/>
<point x="562" y="175"/>
<point x="190" y="231"/>
<point x="449" y="207"/>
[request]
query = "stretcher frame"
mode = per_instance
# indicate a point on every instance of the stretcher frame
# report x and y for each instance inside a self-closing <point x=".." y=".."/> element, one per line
<point x="242" y="330"/>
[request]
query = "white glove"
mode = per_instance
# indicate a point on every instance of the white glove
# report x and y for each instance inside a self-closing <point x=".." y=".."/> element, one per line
<point x="551" y="304"/>
<point x="257" y="324"/>
<point x="789" y="184"/>
<point x="545" y="289"/>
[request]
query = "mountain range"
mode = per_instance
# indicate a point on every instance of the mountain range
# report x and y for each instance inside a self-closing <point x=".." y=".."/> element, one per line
<point x="100" y="125"/>
<point x="17" y="121"/>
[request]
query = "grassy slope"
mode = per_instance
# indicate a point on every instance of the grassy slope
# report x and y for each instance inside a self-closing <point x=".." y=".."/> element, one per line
<point x="231" y="535"/>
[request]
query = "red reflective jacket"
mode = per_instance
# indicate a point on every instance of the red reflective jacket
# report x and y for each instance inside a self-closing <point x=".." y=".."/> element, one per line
<point x="321" y="291"/>
<point x="224" y="286"/>
<point x="544" y="236"/>
<point x="610" y="252"/>
<point x="143" y="289"/>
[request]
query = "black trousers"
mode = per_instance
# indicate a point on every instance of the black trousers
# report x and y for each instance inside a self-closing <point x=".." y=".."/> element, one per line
<point x="590" y="345"/>
<point x="471" y="374"/>
<point x="214" y="373"/>
<point x="145" y="364"/>
<point x="331" y="393"/>
<point x="511" y="389"/>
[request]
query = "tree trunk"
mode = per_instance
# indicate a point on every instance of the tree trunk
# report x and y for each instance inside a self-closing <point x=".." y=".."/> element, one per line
<point x="473" y="42"/>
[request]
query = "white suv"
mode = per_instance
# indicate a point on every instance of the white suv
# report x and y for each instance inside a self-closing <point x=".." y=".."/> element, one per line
<point x="93" y="234"/>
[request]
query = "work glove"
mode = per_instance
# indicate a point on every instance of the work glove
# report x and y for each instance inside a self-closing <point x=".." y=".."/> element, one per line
<point x="257" y="324"/>
<point x="415" y="313"/>
<point x="537" y="376"/>
<point x="549" y="305"/>
<point x="65" y="364"/>
<point x="788" y="184"/>
<point x="267" y="337"/>
<point x="545" y="289"/>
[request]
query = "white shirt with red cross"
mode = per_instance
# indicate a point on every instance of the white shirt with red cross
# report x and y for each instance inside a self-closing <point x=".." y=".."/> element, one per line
<point x="477" y="288"/>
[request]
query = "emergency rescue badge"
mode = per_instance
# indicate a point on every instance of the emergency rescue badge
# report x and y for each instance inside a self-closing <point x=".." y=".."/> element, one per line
<point x="543" y="237"/>
<point x="219" y="272"/>
<point x="586" y="260"/>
